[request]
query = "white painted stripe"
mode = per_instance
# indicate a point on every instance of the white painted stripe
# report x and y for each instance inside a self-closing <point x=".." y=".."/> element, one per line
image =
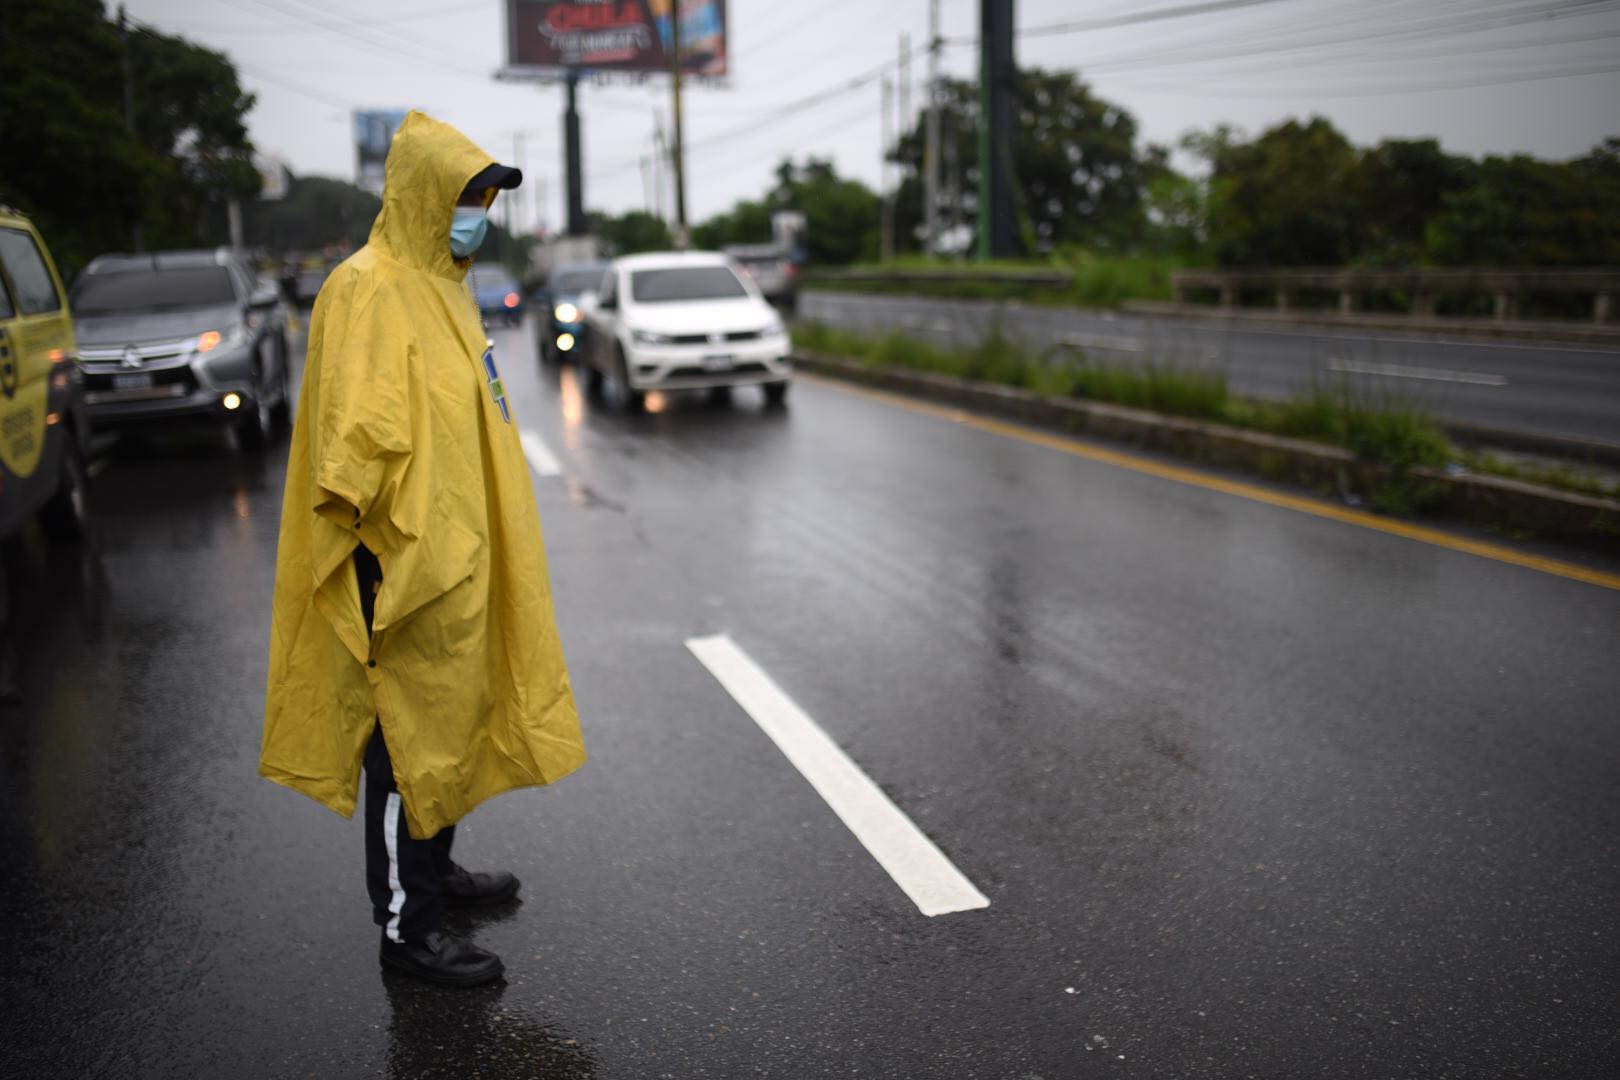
<point x="396" y="902"/>
<point x="917" y="866"/>
<point x="1403" y="371"/>
<point x="541" y="459"/>
<point x="1088" y="341"/>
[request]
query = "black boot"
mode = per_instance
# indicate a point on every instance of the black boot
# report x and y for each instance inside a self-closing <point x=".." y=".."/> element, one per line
<point x="464" y="889"/>
<point x="441" y="959"/>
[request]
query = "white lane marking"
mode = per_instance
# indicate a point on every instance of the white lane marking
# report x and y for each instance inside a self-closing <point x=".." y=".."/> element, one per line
<point x="917" y="866"/>
<point x="1403" y="371"/>
<point x="1112" y="344"/>
<point x="541" y="459"/>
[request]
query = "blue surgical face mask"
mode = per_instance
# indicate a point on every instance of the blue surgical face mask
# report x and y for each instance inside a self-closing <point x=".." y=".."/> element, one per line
<point x="467" y="230"/>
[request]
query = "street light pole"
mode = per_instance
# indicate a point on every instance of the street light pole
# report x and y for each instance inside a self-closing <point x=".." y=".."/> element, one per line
<point x="931" y="138"/>
<point x="678" y="150"/>
<point x="575" y="172"/>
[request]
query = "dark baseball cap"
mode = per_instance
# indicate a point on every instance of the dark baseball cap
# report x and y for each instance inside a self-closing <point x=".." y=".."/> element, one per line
<point x="496" y="176"/>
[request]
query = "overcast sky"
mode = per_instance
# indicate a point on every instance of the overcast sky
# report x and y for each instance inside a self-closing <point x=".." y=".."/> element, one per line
<point x="1484" y="76"/>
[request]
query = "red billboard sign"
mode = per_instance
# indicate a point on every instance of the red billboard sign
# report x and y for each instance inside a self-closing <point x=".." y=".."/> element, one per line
<point x="615" y="35"/>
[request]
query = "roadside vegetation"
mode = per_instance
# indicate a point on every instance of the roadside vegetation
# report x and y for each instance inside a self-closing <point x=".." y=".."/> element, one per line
<point x="1382" y="430"/>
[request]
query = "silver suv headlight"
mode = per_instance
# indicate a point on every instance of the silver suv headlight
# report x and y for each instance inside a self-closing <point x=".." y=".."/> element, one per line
<point x="226" y="338"/>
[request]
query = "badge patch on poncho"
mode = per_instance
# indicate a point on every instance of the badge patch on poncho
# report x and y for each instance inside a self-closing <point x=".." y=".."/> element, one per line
<point x="496" y="390"/>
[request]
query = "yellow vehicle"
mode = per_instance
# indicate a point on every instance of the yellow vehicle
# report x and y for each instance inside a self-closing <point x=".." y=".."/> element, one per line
<point x="43" y="431"/>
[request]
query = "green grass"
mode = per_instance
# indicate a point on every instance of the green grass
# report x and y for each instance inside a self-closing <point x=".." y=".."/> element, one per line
<point x="1549" y="474"/>
<point x="1098" y="280"/>
<point x="1383" y="431"/>
<point x="1380" y="429"/>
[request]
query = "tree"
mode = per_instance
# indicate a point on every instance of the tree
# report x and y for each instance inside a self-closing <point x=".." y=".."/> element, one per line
<point x="318" y="212"/>
<point x="1281" y="200"/>
<point x="1395" y="188"/>
<point x="1525" y="212"/>
<point x="631" y="232"/>
<point x="841" y="215"/>
<point x="1081" y="178"/>
<point x="71" y="164"/>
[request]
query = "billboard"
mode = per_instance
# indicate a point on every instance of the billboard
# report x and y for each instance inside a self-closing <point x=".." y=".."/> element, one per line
<point x="614" y="35"/>
<point x="373" y="133"/>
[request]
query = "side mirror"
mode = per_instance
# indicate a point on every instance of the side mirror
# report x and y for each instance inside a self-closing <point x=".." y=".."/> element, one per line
<point x="264" y="295"/>
<point x="610" y="303"/>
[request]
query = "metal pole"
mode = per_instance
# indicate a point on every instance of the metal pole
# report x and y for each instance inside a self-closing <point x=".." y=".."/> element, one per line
<point x="660" y="152"/>
<point x="886" y="242"/>
<point x="129" y="112"/>
<point x="513" y="202"/>
<point x="931" y="138"/>
<point x="678" y="152"/>
<point x="998" y="116"/>
<point x="576" y="178"/>
<point x="905" y="83"/>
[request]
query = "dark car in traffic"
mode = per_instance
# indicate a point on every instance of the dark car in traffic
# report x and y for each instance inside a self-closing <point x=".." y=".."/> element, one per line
<point x="562" y="326"/>
<point x="183" y="335"/>
<point x="499" y="295"/>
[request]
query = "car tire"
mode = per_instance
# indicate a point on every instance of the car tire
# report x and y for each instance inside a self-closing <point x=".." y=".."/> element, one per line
<point x="255" y="427"/>
<point x="633" y="401"/>
<point x="776" y="394"/>
<point x="66" y="516"/>
<point x="283" y="410"/>
<point x="593" y="379"/>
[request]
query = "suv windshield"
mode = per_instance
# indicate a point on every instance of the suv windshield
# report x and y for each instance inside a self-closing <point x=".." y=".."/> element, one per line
<point x="146" y="290"/>
<point x="575" y="281"/>
<point x="685" y="283"/>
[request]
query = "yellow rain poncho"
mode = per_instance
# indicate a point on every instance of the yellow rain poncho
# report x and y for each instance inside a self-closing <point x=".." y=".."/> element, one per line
<point x="401" y="444"/>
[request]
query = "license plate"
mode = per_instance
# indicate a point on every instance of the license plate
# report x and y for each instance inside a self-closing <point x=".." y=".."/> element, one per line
<point x="139" y="381"/>
<point x="717" y="363"/>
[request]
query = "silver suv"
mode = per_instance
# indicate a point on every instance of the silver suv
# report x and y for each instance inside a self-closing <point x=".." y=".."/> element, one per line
<point x="178" y="334"/>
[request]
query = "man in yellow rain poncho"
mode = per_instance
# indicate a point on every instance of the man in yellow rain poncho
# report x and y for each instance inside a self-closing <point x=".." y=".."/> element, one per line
<point x="413" y="626"/>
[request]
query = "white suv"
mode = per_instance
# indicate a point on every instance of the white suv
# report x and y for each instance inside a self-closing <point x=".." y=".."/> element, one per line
<point x="683" y="321"/>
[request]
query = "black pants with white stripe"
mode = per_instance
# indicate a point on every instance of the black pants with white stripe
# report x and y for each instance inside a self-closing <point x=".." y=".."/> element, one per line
<point x="402" y="874"/>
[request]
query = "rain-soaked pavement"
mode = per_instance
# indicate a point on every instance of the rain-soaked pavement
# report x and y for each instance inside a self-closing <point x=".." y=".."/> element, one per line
<point x="1251" y="793"/>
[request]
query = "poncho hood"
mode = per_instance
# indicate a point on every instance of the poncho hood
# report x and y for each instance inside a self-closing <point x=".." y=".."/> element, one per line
<point x="429" y="165"/>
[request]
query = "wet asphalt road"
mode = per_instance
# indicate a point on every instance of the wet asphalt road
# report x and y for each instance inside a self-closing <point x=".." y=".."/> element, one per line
<point x="1564" y="390"/>
<point x="1251" y="793"/>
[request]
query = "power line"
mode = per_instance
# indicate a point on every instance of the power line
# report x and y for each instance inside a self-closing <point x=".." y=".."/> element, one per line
<point x="1409" y="88"/>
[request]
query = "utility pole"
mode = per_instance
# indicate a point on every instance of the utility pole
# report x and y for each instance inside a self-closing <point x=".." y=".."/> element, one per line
<point x="129" y="112"/>
<point x="998" y="115"/>
<point x="886" y="254"/>
<point x="931" y="138"/>
<point x="660" y="151"/>
<point x="678" y="154"/>
<point x="574" y="172"/>
<point x="905" y="83"/>
<point x="513" y="203"/>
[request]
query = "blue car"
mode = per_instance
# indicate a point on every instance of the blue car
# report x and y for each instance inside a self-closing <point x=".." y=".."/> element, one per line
<point x="562" y="328"/>
<point x="500" y="297"/>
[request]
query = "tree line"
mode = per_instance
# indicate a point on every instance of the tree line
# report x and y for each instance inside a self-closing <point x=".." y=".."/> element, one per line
<point x="1298" y="194"/>
<point x="93" y="176"/>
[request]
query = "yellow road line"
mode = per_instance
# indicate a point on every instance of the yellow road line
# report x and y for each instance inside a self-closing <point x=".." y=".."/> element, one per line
<point x="1211" y="482"/>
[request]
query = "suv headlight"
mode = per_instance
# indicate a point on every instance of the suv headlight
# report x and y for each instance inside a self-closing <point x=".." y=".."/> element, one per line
<point x="647" y="337"/>
<point x="228" y="338"/>
<point x="566" y="312"/>
<point x="774" y="328"/>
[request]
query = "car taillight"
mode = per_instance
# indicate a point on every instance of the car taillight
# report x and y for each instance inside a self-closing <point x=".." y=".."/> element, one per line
<point x="511" y="299"/>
